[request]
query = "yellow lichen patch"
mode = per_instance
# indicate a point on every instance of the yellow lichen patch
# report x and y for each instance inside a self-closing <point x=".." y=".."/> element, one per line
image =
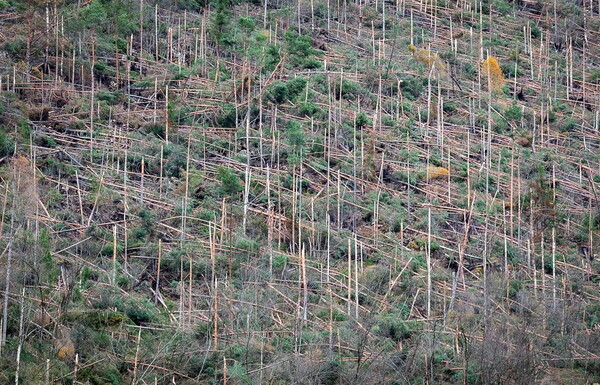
<point x="263" y="34"/>
<point x="492" y="71"/>
<point x="431" y="60"/>
<point x="524" y="141"/>
<point x="417" y="244"/>
<point x="502" y="204"/>
<point x="434" y="172"/>
<point x="65" y="349"/>
<point x="41" y="318"/>
<point x="413" y="245"/>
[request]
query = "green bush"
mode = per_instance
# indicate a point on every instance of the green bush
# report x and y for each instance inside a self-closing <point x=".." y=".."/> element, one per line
<point x="348" y="90"/>
<point x="15" y="48"/>
<point x="301" y="52"/>
<point x="569" y="125"/>
<point x="98" y="318"/>
<point x="395" y="327"/>
<point x="246" y="23"/>
<point x="176" y="160"/>
<point x="118" y="17"/>
<point x="411" y="87"/>
<point x="220" y="24"/>
<point x="157" y="129"/>
<point x="227" y="117"/>
<point x="111" y="98"/>
<point x="362" y="120"/>
<point x="279" y="261"/>
<point x="230" y="182"/>
<point x="279" y="93"/>
<point x="309" y="109"/>
<point x="102" y="69"/>
<point x="513" y="113"/>
<point x="503" y="7"/>
<point x="7" y="146"/>
<point x="295" y="135"/>
<point x="100" y="374"/>
<point x="271" y="58"/>
<point x="139" y="312"/>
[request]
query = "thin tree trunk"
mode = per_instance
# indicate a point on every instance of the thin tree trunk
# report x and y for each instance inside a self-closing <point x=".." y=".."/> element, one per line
<point x="7" y="286"/>
<point x="19" y="348"/>
<point x="157" y="287"/>
<point x="428" y="262"/>
<point x="137" y="354"/>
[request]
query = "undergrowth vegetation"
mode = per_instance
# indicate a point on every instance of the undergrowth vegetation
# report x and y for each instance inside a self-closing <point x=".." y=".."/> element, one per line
<point x="250" y="192"/>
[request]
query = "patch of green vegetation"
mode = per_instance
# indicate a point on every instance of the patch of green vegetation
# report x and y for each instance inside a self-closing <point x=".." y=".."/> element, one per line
<point x="230" y="182"/>
<point x="279" y="92"/>
<point x="301" y="52"/>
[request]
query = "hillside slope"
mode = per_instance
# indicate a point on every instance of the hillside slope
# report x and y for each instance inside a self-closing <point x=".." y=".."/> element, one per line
<point x="310" y="192"/>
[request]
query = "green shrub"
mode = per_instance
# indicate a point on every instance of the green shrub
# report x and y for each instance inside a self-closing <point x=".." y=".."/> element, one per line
<point x="157" y="129"/>
<point x="102" y="69"/>
<point x="593" y="317"/>
<point x="246" y="23"/>
<point x="139" y="312"/>
<point x="111" y="98"/>
<point x="330" y="372"/>
<point x="230" y="182"/>
<point x="450" y="106"/>
<point x="395" y="326"/>
<point x="514" y="287"/>
<point x="279" y="93"/>
<point x="98" y="318"/>
<point x="295" y="135"/>
<point x="220" y="24"/>
<point x="176" y="160"/>
<point x="309" y="109"/>
<point x="569" y="125"/>
<point x="239" y="374"/>
<point x="535" y="31"/>
<point x="7" y="146"/>
<point x="227" y="117"/>
<point x="376" y="279"/>
<point x="411" y="87"/>
<point x="102" y="373"/>
<point x="301" y="52"/>
<point x="279" y="261"/>
<point x="362" y="120"/>
<point x="503" y="7"/>
<point x="271" y="58"/>
<point x="106" y="17"/>
<point x="348" y="90"/>
<point x="513" y="113"/>
<point x="246" y="248"/>
<point x="15" y="48"/>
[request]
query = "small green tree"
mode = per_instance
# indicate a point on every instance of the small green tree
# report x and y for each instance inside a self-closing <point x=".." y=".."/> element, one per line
<point x="295" y="135"/>
<point x="280" y="93"/>
<point x="296" y="139"/>
<point x="230" y="183"/>
<point x="220" y="27"/>
<point x="300" y="51"/>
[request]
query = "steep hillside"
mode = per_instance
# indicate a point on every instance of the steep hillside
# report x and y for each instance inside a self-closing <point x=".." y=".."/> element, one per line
<point x="310" y="192"/>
